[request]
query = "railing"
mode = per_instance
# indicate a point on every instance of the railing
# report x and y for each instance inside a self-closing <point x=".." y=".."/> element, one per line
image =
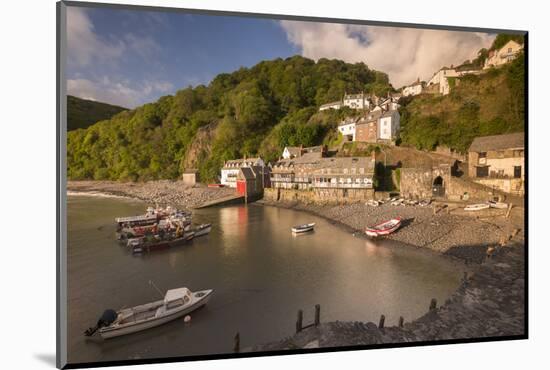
<point x="341" y="186"/>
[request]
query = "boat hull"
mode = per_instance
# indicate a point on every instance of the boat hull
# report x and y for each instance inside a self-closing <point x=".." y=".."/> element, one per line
<point x="204" y="231"/>
<point x="108" y="333"/>
<point x="378" y="230"/>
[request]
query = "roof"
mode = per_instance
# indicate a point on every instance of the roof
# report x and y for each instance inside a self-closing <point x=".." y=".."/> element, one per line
<point x="354" y="96"/>
<point x="331" y="104"/>
<point x="316" y="149"/>
<point x="388" y="113"/>
<point x="175" y="294"/>
<point x="294" y="150"/>
<point x="247" y="173"/>
<point x="498" y="142"/>
<point x="241" y="161"/>
<point x="309" y="157"/>
<point x="468" y="67"/>
<point x="348" y="121"/>
<point x="347" y="162"/>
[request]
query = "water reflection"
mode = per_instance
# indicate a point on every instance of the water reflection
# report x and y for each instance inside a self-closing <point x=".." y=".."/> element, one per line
<point x="260" y="272"/>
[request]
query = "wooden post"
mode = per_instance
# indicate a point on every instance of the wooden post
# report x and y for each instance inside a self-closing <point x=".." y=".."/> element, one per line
<point x="317" y="314"/>
<point x="299" y="321"/>
<point x="401" y="321"/>
<point x="381" y="322"/>
<point x="237" y="343"/>
<point x="433" y="304"/>
<point x="509" y="210"/>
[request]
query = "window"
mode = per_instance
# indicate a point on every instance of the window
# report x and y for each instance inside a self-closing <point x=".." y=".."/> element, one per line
<point x="483" y="155"/>
<point x="509" y="50"/>
<point x="500" y="154"/>
<point x="482" y="171"/>
<point x="517" y="172"/>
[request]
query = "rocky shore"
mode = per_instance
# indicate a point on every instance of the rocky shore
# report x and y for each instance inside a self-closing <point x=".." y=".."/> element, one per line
<point x="448" y="230"/>
<point x="162" y="192"/>
<point x="490" y="301"/>
<point x="488" y="304"/>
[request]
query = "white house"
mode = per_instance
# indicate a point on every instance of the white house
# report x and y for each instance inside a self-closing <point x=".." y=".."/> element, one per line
<point x="504" y="55"/>
<point x="347" y="128"/>
<point x="232" y="167"/>
<point x="356" y="101"/>
<point x="389" y="125"/>
<point x="441" y="78"/>
<point x="333" y="105"/>
<point x="413" y="89"/>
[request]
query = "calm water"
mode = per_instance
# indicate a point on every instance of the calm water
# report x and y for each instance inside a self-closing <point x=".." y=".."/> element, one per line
<point x="261" y="275"/>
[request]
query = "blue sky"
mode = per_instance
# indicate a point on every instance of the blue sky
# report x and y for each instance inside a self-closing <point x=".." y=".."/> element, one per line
<point x="130" y="57"/>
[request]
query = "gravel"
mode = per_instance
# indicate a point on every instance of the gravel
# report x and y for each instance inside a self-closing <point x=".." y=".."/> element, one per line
<point x="162" y="192"/>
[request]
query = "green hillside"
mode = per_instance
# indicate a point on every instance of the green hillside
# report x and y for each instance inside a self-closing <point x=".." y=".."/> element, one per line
<point x="251" y="111"/>
<point x="82" y="113"/>
<point x="488" y="104"/>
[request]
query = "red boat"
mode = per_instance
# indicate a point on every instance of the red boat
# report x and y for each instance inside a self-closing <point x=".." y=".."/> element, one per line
<point x="384" y="228"/>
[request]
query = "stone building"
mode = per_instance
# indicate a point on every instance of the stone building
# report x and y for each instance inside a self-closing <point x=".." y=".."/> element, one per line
<point x="344" y="173"/>
<point x="190" y="176"/>
<point x="366" y="128"/>
<point x="419" y="183"/>
<point x="231" y="168"/>
<point x="295" y="173"/>
<point x="498" y="161"/>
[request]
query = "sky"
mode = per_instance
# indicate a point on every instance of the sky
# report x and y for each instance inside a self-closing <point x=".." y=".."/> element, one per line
<point x="132" y="57"/>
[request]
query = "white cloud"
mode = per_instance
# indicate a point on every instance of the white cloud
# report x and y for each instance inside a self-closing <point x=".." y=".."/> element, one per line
<point x="86" y="47"/>
<point x="116" y="92"/>
<point x="83" y="45"/>
<point x="404" y="54"/>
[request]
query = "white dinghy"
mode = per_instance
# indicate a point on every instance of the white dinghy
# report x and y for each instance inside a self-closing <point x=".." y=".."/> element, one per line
<point x="303" y="228"/>
<point x="476" y="207"/>
<point x="176" y="303"/>
<point x="498" y="205"/>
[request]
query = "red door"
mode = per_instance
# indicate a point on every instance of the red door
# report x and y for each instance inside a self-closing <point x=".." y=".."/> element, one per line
<point x="241" y="187"/>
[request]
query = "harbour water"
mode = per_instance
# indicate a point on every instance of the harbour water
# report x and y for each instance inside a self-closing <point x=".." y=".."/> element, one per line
<point x="260" y="272"/>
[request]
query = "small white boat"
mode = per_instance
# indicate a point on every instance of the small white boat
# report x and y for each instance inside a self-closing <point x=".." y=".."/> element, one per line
<point x="498" y="205"/>
<point x="384" y="228"/>
<point x="372" y="203"/>
<point x="476" y="207"/>
<point x="303" y="228"/>
<point x="176" y="303"/>
<point x="202" y="229"/>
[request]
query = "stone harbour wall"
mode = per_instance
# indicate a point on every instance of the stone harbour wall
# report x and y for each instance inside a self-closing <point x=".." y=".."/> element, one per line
<point x="318" y="196"/>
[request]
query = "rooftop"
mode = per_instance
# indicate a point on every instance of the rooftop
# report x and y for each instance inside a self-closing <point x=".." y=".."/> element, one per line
<point x="498" y="142"/>
<point x="247" y="173"/>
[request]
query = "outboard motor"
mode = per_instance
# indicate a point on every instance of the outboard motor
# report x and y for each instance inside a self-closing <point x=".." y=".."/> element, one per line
<point x="109" y="316"/>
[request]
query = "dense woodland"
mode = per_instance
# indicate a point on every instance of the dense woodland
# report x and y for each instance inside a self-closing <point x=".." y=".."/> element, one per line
<point x="489" y="104"/>
<point x="252" y="111"/>
<point x="82" y="113"/>
<point x="262" y="109"/>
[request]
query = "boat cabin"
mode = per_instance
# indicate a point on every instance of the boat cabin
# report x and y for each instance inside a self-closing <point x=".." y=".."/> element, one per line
<point x="177" y="297"/>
